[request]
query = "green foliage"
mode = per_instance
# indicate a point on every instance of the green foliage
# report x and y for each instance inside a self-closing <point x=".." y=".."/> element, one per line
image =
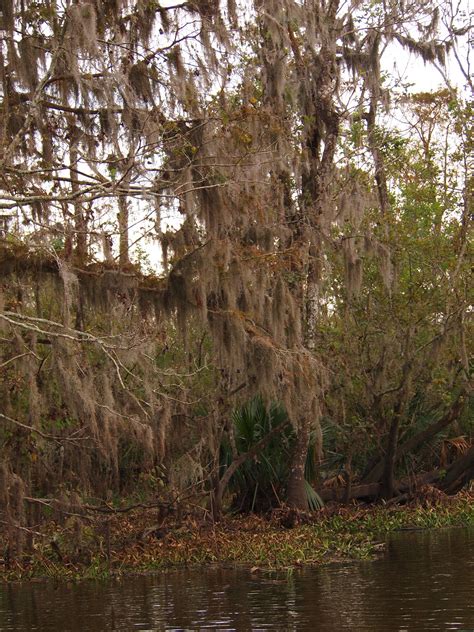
<point x="259" y="483"/>
<point x="401" y="343"/>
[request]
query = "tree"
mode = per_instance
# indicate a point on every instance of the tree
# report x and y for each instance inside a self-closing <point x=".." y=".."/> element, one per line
<point x="155" y="110"/>
<point x="400" y="341"/>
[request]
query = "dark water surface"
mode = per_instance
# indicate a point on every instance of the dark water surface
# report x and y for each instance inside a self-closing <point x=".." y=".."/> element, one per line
<point x="424" y="583"/>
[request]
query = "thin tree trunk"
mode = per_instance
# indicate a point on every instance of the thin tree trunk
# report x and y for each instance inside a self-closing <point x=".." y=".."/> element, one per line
<point x="312" y="299"/>
<point x="371" y="118"/>
<point x="388" y="479"/>
<point x="124" y="258"/>
<point x="80" y="222"/>
<point x="348" y="477"/>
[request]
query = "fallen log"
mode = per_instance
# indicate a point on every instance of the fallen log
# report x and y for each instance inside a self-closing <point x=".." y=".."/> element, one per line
<point x="459" y="473"/>
<point x="372" y="491"/>
<point x="342" y="494"/>
<point x="450" y="481"/>
<point x="421" y="438"/>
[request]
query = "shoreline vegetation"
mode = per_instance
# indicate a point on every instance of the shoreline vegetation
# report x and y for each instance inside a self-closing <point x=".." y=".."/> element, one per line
<point x="130" y="542"/>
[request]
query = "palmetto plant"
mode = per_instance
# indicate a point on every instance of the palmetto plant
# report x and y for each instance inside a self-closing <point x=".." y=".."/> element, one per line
<point x="259" y="483"/>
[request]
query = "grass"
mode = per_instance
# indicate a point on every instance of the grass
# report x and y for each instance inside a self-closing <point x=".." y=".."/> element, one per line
<point x="352" y="533"/>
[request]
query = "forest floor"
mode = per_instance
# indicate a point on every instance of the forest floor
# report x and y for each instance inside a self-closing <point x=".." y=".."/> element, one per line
<point x="132" y="542"/>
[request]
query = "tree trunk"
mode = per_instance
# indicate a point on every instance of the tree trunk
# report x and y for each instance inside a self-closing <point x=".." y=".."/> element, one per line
<point x="296" y="493"/>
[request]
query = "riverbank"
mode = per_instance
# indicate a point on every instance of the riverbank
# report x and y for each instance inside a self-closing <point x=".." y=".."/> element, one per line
<point x="92" y="547"/>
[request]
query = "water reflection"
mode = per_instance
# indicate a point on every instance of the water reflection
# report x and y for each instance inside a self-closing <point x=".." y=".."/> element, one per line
<point x="425" y="583"/>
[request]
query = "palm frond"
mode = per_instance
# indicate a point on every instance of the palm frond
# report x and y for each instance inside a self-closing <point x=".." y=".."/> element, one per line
<point x="315" y="501"/>
<point x="260" y="482"/>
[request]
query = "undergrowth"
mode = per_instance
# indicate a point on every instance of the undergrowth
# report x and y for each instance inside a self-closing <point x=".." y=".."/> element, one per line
<point x="135" y="545"/>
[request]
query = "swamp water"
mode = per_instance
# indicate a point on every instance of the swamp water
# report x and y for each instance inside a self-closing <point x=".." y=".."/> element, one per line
<point x="424" y="583"/>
